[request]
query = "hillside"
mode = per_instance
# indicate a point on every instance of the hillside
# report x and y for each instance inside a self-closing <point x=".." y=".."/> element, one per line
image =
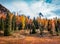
<point x="3" y="9"/>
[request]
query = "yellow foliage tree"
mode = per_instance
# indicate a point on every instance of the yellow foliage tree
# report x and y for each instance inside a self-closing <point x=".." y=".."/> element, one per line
<point x="23" y="21"/>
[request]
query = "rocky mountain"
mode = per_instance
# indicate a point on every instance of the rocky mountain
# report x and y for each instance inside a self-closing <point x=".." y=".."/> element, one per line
<point x="3" y="9"/>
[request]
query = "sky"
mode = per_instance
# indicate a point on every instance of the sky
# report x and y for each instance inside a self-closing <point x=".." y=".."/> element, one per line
<point x="49" y="8"/>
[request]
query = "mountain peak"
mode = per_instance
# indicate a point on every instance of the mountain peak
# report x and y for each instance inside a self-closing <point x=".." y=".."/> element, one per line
<point x="3" y="9"/>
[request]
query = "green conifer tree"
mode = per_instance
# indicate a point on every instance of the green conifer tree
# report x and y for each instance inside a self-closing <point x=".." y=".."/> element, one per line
<point x="14" y="23"/>
<point x="33" y="27"/>
<point x="7" y="30"/>
<point x="2" y="24"/>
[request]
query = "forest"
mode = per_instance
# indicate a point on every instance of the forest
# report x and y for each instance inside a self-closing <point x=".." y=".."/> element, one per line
<point x="20" y="28"/>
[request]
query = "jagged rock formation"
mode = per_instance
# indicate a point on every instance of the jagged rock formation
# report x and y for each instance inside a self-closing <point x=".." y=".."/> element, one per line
<point x="3" y="9"/>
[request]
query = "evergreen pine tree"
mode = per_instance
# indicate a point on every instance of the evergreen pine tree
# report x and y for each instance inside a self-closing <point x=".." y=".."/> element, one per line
<point x="2" y="23"/>
<point x="33" y="27"/>
<point x="7" y="30"/>
<point x="14" y="23"/>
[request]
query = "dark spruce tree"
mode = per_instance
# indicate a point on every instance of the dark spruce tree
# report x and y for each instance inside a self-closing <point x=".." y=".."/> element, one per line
<point x="2" y="24"/>
<point x="14" y="23"/>
<point x="33" y="27"/>
<point x="7" y="30"/>
<point x="33" y="30"/>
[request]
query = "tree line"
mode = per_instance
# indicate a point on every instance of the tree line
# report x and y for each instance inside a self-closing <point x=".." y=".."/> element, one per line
<point x="12" y="23"/>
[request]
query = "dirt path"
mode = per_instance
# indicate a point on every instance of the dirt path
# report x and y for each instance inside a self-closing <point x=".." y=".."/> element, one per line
<point x="29" y="40"/>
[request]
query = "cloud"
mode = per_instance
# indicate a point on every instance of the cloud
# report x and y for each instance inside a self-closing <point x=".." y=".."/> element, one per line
<point x="57" y="2"/>
<point x="23" y="8"/>
<point x="33" y="9"/>
<point x="45" y="8"/>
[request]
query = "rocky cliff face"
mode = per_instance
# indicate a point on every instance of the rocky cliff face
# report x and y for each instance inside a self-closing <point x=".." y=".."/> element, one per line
<point x="3" y="9"/>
